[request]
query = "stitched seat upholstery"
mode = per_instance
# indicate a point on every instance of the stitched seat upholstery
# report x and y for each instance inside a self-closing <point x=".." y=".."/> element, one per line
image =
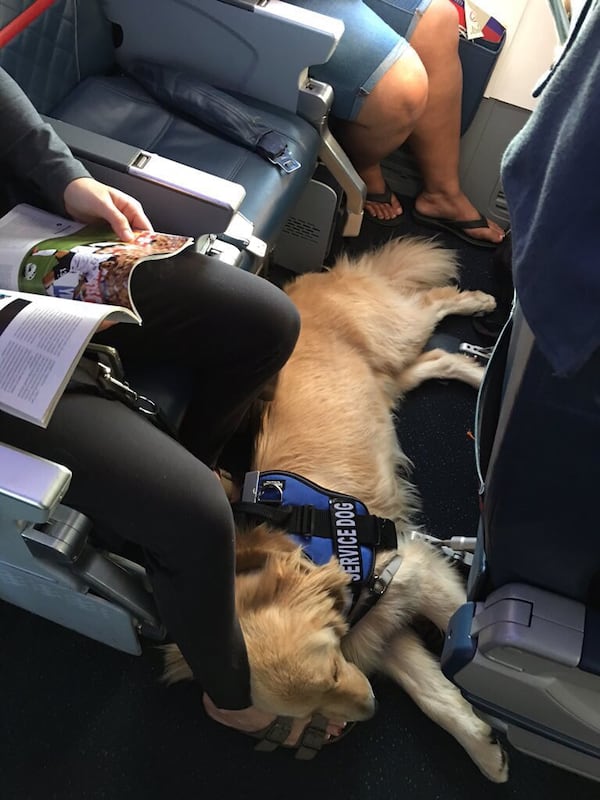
<point x="64" y="60"/>
<point x="118" y="107"/>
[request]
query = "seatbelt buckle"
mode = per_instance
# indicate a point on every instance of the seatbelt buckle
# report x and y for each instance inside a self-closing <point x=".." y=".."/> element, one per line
<point x="452" y="344"/>
<point x="285" y="161"/>
<point x="252" y="244"/>
<point x="457" y="548"/>
<point x="480" y="354"/>
<point x="273" y="147"/>
<point x="256" y="246"/>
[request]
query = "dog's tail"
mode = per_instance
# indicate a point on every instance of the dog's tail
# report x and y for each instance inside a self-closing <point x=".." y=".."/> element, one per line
<point x="409" y="263"/>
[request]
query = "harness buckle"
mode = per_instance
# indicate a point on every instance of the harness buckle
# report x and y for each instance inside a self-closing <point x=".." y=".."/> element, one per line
<point x="381" y="581"/>
<point x="378" y="585"/>
<point x="302" y="520"/>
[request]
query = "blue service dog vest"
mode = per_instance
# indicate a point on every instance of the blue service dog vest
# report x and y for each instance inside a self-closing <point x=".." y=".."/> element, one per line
<point x="322" y="522"/>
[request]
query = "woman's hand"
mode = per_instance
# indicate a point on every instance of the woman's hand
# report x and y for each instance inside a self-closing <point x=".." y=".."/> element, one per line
<point x="87" y="200"/>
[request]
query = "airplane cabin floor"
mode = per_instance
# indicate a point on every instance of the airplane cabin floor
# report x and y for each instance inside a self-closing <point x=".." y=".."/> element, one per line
<point x="81" y="721"/>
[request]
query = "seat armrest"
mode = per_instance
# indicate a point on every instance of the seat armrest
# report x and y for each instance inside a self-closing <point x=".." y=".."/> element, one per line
<point x="177" y="198"/>
<point x="259" y="49"/>
<point x="30" y="487"/>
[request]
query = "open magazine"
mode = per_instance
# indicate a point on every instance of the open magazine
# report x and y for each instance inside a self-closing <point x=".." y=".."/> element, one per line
<point x="42" y="253"/>
<point x="48" y="265"/>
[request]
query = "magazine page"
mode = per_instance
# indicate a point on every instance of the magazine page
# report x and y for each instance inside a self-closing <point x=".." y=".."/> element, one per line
<point x="45" y="254"/>
<point x="41" y="342"/>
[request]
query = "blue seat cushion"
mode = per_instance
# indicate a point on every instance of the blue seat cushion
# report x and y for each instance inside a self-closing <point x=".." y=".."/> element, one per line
<point x="116" y="106"/>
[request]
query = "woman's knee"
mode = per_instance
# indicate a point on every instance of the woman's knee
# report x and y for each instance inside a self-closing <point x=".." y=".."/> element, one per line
<point x="276" y="323"/>
<point x="403" y="90"/>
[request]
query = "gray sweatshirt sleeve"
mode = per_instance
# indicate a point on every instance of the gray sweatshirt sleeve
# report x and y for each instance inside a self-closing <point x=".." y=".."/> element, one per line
<point x="31" y="148"/>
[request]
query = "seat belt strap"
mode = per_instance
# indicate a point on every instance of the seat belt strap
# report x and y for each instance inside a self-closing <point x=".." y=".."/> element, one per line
<point x="214" y="109"/>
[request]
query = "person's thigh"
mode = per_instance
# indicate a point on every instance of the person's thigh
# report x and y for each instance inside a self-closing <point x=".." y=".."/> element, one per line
<point x="134" y="481"/>
<point x="230" y="331"/>
<point x="201" y="313"/>
<point x="375" y="37"/>
<point x="138" y="485"/>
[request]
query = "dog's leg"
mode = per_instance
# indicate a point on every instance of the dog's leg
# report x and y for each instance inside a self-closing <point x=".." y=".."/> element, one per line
<point x="402" y="344"/>
<point x="435" y="364"/>
<point x="408" y="662"/>
<point x="446" y="300"/>
<point x="434" y="585"/>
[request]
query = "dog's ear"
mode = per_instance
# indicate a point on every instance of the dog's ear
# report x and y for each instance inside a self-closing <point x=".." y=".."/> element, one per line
<point x="331" y="578"/>
<point x="268" y="586"/>
<point x="255" y="543"/>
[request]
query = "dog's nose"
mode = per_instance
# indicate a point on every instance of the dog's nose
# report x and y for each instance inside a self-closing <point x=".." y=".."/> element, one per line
<point x="370" y="707"/>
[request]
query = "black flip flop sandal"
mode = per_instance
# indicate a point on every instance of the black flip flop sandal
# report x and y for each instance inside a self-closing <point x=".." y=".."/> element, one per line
<point x="386" y="198"/>
<point x="313" y="737"/>
<point x="457" y="227"/>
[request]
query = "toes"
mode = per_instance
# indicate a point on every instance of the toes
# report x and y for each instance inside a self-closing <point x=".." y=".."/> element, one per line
<point x="486" y="302"/>
<point x="384" y="210"/>
<point x="494" y="763"/>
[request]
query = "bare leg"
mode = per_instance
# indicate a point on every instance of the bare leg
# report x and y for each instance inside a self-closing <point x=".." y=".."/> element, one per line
<point x="435" y="140"/>
<point x="384" y="122"/>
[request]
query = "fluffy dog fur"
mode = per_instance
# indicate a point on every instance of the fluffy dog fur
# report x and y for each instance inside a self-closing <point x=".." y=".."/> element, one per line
<point x="364" y="325"/>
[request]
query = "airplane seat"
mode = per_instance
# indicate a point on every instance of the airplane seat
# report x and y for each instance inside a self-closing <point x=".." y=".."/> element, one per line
<point x="74" y="61"/>
<point x="525" y="649"/>
<point x="51" y="566"/>
<point x="63" y="55"/>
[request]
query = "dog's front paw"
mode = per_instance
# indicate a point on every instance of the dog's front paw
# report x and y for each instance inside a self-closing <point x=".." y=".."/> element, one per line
<point x="492" y="759"/>
<point x="486" y="303"/>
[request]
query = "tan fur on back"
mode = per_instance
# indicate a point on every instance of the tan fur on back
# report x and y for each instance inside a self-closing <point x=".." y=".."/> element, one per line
<point x="330" y="419"/>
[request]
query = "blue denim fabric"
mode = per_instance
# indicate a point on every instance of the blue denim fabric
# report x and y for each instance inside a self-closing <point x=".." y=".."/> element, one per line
<point x="375" y="37"/>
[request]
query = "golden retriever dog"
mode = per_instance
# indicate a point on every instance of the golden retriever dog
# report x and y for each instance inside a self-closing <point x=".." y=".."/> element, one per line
<point x="365" y="323"/>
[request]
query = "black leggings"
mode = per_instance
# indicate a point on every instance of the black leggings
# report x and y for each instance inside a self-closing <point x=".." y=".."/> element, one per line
<point x="235" y="330"/>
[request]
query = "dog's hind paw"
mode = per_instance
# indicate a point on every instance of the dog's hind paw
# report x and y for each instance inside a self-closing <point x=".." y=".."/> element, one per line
<point x="492" y="760"/>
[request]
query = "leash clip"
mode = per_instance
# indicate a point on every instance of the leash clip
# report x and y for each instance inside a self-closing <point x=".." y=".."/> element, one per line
<point x="112" y="384"/>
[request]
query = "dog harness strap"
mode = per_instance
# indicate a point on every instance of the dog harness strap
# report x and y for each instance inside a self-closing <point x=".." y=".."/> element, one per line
<point x="377" y="587"/>
<point x="322" y="522"/>
<point x="371" y="530"/>
<point x="278" y="515"/>
<point x="310" y="521"/>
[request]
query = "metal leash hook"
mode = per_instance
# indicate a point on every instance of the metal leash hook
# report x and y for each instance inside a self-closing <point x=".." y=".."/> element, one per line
<point x="111" y="384"/>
